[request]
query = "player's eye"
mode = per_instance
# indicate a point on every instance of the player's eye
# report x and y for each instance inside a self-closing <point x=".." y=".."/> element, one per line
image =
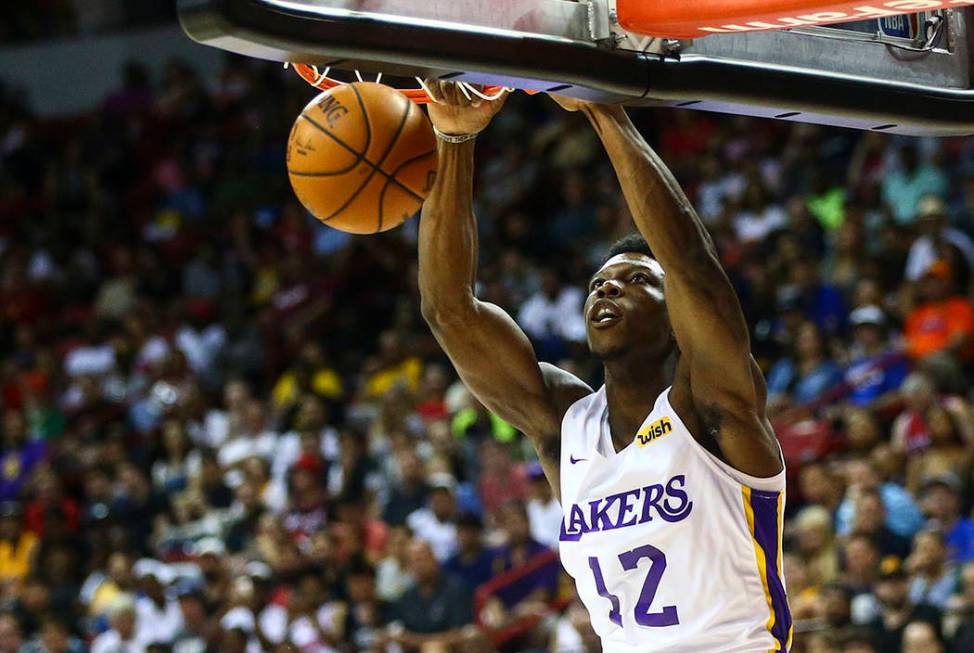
<point x="639" y="278"/>
<point x="595" y="285"/>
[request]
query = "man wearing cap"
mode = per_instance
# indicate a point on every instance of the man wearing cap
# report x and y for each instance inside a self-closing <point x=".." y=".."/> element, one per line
<point x="942" y="322"/>
<point x="876" y="371"/>
<point x="437" y="522"/>
<point x="158" y="619"/>
<point x="891" y="606"/>
<point x="937" y="240"/>
<point x="940" y="500"/>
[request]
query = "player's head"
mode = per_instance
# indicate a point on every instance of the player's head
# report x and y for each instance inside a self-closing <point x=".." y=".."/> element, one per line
<point x="625" y="312"/>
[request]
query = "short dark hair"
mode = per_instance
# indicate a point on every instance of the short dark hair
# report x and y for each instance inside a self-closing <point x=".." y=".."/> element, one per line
<point x="634" y="243"/>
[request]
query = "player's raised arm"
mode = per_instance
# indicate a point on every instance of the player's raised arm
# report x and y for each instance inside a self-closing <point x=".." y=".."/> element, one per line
<point x="718" y="381"/>
<point x="490" y="352"/>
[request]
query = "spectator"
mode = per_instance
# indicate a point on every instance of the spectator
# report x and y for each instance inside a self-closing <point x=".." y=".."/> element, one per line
<point x="959" y="617"/>
<point x="529" y="593"/>
<point x="410" y="493"/>
<point x="435" y="611"/>
<point x="552" y="316"/>
<point x="197" y="628"/>
<point x="875" y="371"/>
<point x="942" y="323"/>
<point x="11" y="637"/>
<point x="934" y="576"/>
<point x="19" y="456"/>
<point x="758" y="217"/>
<point x="820" y="302"/>
<point x="905" y="186"/>
<point x="816" y="546"/>
<point x="365" y="614"/>
<point x="947" y="453"/>
<point x="157" y="617"/>
<point x="804" y="376"/>
<point x="473" y="562"/>
<point x="870" y="521"/>
<point x="921" y="637"/>
<point x="544" y="510"/>
<point x="54" y="637"/>
<point x="939" y="242"/>
<point x="903" y="517"/>
<point x="121" y="638"/>
<point x="436" y="524"/>
<point x="18" y="547"/>
<point x="893" y="608"/>
<point x="393" y="577"/>
<point x="861" y="564"/>
<point x="391" y="366"/>
<point x="500" y="481"/>
<point x="250" y="438"/>
<point x="941" y="501"/>
<point x="821" y="486"/>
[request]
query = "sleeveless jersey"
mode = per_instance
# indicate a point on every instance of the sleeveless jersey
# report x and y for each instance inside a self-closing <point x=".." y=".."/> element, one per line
<point x="672" y="550"/>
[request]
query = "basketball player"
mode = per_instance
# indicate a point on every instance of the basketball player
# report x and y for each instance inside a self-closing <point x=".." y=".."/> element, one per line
<point x="670" y="477"/>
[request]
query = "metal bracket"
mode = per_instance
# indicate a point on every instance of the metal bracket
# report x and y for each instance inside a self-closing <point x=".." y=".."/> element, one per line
<point x="599" y="21"/>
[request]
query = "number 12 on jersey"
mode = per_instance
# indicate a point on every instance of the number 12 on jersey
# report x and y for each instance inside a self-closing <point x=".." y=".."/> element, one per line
<point x="629" y="561"/>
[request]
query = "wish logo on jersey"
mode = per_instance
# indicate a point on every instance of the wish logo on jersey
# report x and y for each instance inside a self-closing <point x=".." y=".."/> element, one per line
<point x="668" y="502"/>
<point x="654" y="431"/>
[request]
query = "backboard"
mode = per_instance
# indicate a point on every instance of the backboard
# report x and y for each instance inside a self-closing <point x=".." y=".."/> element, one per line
<point x="874" y="69"/>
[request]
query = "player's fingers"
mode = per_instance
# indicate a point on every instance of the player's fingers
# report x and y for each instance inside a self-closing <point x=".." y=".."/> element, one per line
<point x="434" y="91"/>
<point x="473" y="90"/>
<point x="457" y="97"/>
<point x="432" y="87"/>
<point x="450" y="93"/>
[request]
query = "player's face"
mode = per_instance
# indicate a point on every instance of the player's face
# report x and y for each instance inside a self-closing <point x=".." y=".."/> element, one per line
<point x="625" y="308"/>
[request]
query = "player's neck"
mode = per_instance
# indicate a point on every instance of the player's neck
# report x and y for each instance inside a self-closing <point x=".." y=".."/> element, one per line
<point x="631" y="389"/>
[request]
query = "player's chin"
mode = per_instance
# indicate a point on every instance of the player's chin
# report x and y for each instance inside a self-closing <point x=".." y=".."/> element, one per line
<point x="606" y="344"/>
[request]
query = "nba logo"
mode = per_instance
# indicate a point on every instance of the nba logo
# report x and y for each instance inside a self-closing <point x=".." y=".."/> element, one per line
<point x="905" y="26"/>
<point x="654" y="431"/>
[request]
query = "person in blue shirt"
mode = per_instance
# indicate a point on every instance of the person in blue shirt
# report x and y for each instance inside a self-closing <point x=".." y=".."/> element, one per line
<point x="806" y="374"/>
<point x="473" y="562"/>
<point x="875" y="371"/>
<point x="903" y="516"/>
<point x="940" y="499"/>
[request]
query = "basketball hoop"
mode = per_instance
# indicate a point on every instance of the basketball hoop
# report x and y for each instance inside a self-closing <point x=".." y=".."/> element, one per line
<point x="323" y="82"/>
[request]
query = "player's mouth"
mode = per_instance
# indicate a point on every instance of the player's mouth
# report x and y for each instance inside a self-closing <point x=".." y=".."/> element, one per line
<point x="604" y="313"/>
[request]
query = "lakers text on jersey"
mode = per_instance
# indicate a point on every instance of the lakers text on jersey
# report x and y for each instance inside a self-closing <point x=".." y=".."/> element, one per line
<point x="672" y="550"/>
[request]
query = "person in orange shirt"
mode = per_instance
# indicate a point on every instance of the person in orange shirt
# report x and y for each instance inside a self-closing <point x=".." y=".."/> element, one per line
<point x="942" y="322"/>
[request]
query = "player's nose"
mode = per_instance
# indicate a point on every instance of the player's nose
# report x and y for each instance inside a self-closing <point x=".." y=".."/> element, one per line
<point x="610" y="289"/>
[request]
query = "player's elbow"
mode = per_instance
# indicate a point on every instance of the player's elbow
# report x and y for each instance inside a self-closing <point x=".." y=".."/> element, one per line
<point x="441" y="311"/>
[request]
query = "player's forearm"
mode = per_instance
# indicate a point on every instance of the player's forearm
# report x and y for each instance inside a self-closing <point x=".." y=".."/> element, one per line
<point x="660" y="209"/>
<point x="448" y="235"/>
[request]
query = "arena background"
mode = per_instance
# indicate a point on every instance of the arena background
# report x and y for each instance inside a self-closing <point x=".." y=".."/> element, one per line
<point x="226" y="427"/>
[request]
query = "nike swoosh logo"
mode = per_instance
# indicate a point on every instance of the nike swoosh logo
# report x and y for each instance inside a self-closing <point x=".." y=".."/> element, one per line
<point x="572" y="459"/>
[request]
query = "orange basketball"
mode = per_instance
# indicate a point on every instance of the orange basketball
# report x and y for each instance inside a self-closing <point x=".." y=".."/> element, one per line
<point x="362" y="157"/>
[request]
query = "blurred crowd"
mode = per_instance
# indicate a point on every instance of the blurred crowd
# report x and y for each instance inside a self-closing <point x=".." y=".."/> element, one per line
<point x="225" y="428"/>
<point x="22" y="22"/>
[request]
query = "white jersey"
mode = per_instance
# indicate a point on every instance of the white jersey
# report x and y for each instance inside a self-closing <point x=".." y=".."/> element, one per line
<point x="671" y="549"/>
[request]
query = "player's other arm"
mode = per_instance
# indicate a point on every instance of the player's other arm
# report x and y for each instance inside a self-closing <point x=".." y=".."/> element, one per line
<point x="490" y="352"/>
<point x="717" y="373"/>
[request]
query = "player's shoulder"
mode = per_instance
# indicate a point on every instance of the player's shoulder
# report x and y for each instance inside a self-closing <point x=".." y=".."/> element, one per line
<point x="564" y="388"/>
